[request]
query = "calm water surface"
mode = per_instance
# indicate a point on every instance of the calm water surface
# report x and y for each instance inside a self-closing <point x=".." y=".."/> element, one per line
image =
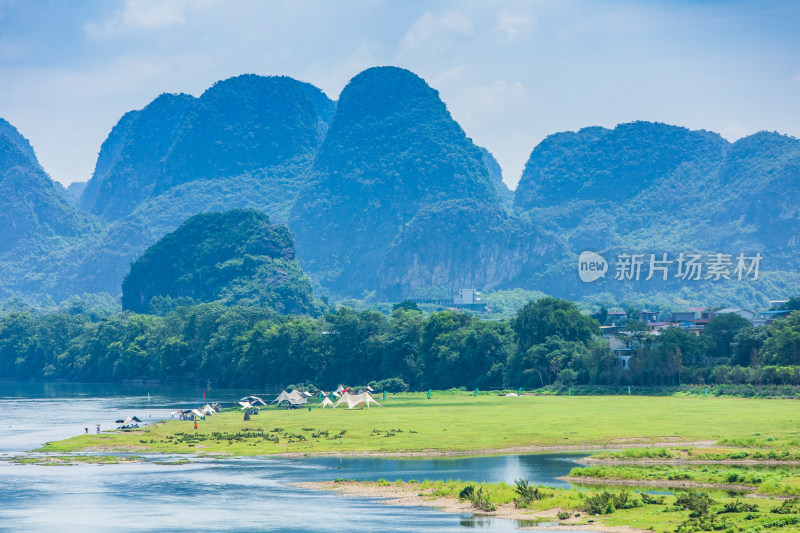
<point x="210" y="495"/>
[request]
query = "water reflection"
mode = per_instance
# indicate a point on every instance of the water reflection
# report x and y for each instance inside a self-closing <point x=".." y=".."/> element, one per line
<point x="244" y="494"/>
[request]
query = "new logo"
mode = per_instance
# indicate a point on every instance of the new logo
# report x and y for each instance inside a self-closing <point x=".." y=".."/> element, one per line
<point x="591" y="266"/>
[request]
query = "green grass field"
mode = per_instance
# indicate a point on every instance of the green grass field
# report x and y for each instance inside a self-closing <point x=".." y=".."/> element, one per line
<point x="461" y="423"/>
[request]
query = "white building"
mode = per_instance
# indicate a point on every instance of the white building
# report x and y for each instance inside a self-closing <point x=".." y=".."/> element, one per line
<point x="744" y="313"/>
<point x="467" y="297"/>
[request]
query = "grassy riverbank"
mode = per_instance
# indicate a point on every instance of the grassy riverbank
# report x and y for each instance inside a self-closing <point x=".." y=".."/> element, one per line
<point x="459" y="423"/>
<point x="613" y="510"/>
<point x="774" y="482"/>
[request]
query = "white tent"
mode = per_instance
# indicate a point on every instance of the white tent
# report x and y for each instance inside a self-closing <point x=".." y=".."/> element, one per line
<point x="326" y="402"/>
<point x="355" y="400"/>
<point x="282" y="397"/>
<point x="245" y="405"/>
<point x="208" y="410"/>
<point x="294" y="398"/>
<point x="252" y="400"/>
<point x="297" y="397"/>
<point x="339" y="390"/>
<point x="197" y="413"/>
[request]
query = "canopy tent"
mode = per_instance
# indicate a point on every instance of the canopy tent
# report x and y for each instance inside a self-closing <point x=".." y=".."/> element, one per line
<point x="252" y="400"/>
<point x="208" y="410"/>
<point x="197" y="413"/>
<point x="340" y="390"/>
<point x="307" y="394"/>
<point x="245" y="405"/>
<point x="282" y="397"/>
<point x="326" y="402"/>
<point x="356" y="400"/>
<point x="293" y="398"/>
<point x="130" y="422"/>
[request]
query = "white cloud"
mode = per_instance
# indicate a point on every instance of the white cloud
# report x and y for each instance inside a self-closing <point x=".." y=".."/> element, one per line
<point x="512" y="25"/>
<point x="332" y="77"/>
<point x="734" y="131"/>
<point x="448" y="77"/>
<point x="144" y="14"/>
<point x="497" y="116"/>
<point x="481" y="106"/>
<point x="439" y="30"/>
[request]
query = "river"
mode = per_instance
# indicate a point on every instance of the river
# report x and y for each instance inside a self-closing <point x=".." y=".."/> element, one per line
<point x="245" y="494"/>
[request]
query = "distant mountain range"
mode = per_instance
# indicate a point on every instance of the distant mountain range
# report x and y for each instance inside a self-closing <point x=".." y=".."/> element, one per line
<point x="387" y="195"/>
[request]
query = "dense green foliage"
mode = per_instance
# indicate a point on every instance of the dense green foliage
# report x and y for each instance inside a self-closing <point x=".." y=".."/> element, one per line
<point x="549" y="343"/>
<point x="37" y="224"/>
<point x="234" y="257"/>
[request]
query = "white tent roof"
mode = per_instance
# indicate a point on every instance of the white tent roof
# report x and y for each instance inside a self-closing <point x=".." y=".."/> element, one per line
<point x="354" y="400"/>
<point x="208" y="410"/>
<point x="283" y="396"/>
<point x="294" y="397"/>
<point x="297" y="396"/>
<point x="327" y="402"/>
<point x="245" y="405"/>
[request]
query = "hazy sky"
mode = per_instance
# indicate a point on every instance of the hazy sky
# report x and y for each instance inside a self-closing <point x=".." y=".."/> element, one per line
<point x="510" y="72"/>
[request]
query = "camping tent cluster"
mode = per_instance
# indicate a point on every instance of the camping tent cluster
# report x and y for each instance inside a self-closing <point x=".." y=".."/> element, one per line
<point x="363" y="399"/>
<point x="209" y="409"/>
<point x="292" y="400"/>
<point x="345" y="396"/>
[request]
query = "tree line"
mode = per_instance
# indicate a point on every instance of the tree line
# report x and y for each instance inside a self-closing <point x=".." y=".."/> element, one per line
<point x="548" y="342"/>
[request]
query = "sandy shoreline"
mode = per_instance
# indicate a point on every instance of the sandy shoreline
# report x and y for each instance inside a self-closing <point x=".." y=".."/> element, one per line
<point x="412" y="496"/>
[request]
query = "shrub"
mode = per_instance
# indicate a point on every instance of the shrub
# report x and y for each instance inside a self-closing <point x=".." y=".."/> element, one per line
<point x="389" y="385"/>
<point x="526" y="493"/>
<point x="466" y="493"/>
<point x="563" y="515"/>
<point x="696" y="502"/>
<point x="481" y="501"/>
<point x="738" y="507"/>
<point x="787" y="507"/>
<point x="599" y="503"/>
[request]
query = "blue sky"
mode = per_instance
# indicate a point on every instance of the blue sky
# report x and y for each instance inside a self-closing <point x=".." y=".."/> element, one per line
<point x="511" y="72"/>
